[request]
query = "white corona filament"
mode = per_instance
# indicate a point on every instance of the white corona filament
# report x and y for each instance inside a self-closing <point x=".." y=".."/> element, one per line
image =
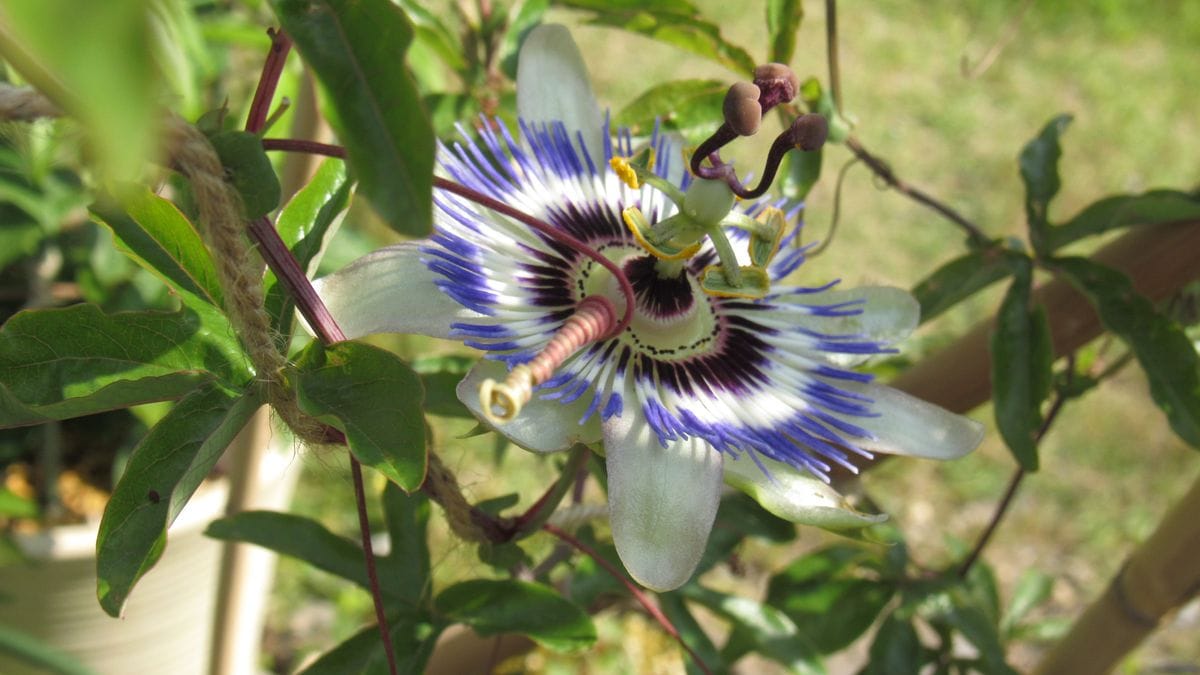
<point x="594" y="319"/>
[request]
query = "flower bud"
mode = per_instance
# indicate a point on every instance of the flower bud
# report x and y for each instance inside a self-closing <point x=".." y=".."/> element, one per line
<point x="743" y="113"/>
<point x="808" y="132"/>
<point x="778" y="84"/>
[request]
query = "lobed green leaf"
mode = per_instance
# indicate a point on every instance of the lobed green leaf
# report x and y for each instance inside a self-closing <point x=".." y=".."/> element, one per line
<point x="961" y="278"/>
<point x="1022" y="356"/>
<point x="407" y="563"/>
<point x="691" y="107"/>
<point x="783" y="21"/>
<point x="1161" y="346"/>
<point x="1039" y="172"/>
<point x="802" y="170"/>
<point x="895" y="649"/>
<point x="374" y="398"/>
<point x="440" y="376"/>
<point x="690" y="632"/>
<point x="413" y="639"/>
<point x="73" y="361"/>
<point x="158" y="237"/>
<point x="1033" y="588"/>
<point x="1110" y="213"/>
<point x="161" y="476"/>
<point x="494" y="606"/>
<point x="356" y="48"/>
<point x="674" y="22"/>
<point x="303" y="225"/>
<point x="300" y="538"/>
<point x="826" y="601"/>
<point x="759" y="627"/>
<point x="249" y="171"/>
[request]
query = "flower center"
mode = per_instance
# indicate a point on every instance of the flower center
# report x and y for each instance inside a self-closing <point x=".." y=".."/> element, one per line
<point x="674" y="317"/>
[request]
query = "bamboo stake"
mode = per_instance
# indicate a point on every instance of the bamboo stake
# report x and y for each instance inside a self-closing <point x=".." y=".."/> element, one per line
<point x="1160" y="576"/>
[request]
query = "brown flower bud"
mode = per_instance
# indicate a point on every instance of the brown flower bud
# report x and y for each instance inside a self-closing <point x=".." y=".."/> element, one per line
<point x="809" y="132"/>
<point x="742" y="110"/>
<point x="778" y="84"/>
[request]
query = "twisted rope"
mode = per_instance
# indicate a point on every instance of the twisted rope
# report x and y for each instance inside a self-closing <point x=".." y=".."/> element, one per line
<point x="238" y="269"/>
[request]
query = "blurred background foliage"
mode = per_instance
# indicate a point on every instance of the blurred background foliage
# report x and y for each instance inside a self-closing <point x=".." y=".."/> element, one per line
<point x="946" y="92"/>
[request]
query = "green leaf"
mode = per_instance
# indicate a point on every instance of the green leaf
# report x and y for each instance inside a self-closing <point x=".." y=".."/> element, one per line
<point x="434" y="34"/>
<point x="157" y="236"/>
<point x="74" y="361"/>
<point x="1039" y="171"/>
<point x="820" y="100"/>
<point x="1033" y="588"/>
<point x="356" y="48"/>
<point x="407" y="563"/>
<point x="895" y="649"/>
<point x="300" y="538"/>
<point x="494" y="607"/>
<point x="974" y="625"/>
<point x="413" y="640"/>
<point x="1161" y="346"/>
<point x="770" y="632"/>
<point x="783" y="21"/>
<point x="674" y="22"/>
<point x="738" y="517"/>
<point x="690" y="632"/>
<point x="1022" y="357"/>
<point x="1110" y="213"/>
<point x="106" y="78"/>
<point x="802" y="170"/>
<point x="529" y="14"/>
<point x="13" y="505"/>
<point x="303" y="225"/>
<point x="374" y="398"/>
<point x="824" y="598"/>
<point x="249" y="171"/>
<point x="689" y="106"/>
<point x="959" y="279"/>
<point x="440" y="376"/>
<point x="19" y="238"/>
<point x="162" y="473"/>
<point x="44" y="658"/>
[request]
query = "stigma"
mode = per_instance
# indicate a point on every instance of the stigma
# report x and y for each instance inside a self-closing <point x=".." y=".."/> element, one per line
<point x="594" y="319"/>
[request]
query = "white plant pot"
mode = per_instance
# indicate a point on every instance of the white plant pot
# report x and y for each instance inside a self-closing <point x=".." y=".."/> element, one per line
<point x="168" y="619"/>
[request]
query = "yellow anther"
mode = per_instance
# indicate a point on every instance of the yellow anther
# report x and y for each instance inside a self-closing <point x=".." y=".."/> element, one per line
<point x="639" y="226"/>
<point x="624" y="171"/>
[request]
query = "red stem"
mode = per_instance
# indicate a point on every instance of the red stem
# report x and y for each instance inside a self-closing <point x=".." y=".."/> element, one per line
<point x="267" y="82"/>
<point x="364" y="528"/>
<point x="281" y="261"/>
<point x="558" y="235"/>
<point x="636" y="592"/>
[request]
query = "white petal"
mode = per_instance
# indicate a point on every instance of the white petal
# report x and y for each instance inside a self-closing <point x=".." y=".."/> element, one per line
<point x="906" y="425"/>
<point x="888" y="316"/>
<point x="542" y="425"/>
<point x="553" y="86"/>
<point x="390" y="291"/>
<point x="794" y="495"/>
<point x="662" y="500"/>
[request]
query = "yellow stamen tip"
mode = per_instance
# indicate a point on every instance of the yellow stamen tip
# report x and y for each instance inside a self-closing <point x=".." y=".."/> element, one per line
<point x="624" y="171"/>
<point x="502" y="401"/>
